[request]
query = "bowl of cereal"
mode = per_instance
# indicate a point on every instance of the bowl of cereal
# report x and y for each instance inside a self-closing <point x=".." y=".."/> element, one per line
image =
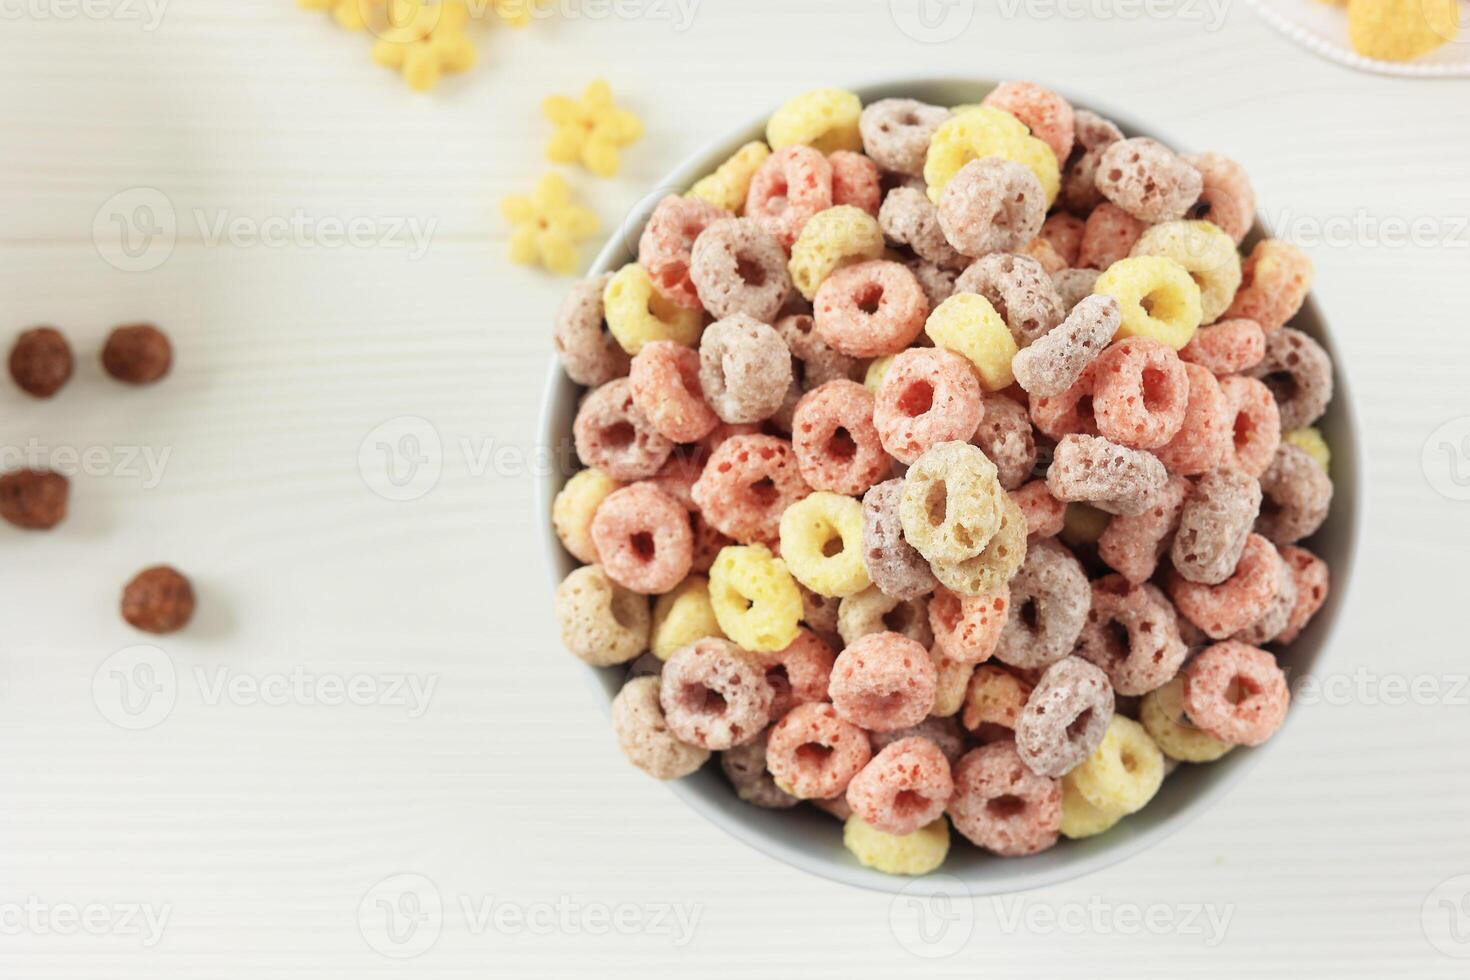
<point x="961" y="473"/>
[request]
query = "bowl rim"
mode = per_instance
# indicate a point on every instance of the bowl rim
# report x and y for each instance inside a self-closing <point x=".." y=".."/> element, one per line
<point x="1347" y="475"/>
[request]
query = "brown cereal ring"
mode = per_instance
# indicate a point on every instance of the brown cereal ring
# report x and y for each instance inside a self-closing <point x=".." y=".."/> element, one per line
<point x="813" y="753"/>
<point x="1049" y="116"/>
<point x="815" y="362"/>
<point x="904" y="787"/>
<point x="1064" y="232"/>
<point x="1049" y="602"/>
<point x="1227" y="347"/>
<point x="1277" y="615"/>
<point x="644" y="736"/>
<point x="994" y="702"/>
<point x="1021" y="292"/>
<point x="1225" y="609"/>
<point x="871" y="308"/>
<point x="589" y="353"/>
<point x="1079" y="183"/>
<point x="1006" y="437"/>
<point x="1001" y="805"/>
<point x="1214" y="524"/>
<point x="745" y="767"/>
<point x="601" y="622"/>
<point x="1226" y="197"/>
<point x="1055" y="362"/>
<point x="1299" y="373"/>
<point x="1148" y="180"/>
<point x="1255" y="424"/>
<point x="1045" y="514"/>
<point x="798" y="674"/>
<point x="909" y="218"/>
<point x="1114" y="478"/>
<point x="992" y="205"/>
<point x="883" y="681"/>
<point x="666" y="390"/>
<point x="613" y="436"/>
<point x="747" y="484"/>
<point x="737" y="266"/>
<point x="950" y="508"/>
<point x="895" y="566"/>
<point x="1140" y="393"/>
<point x="855" y="181"/>
<point x="665" y="249"/>
<point x="643" y="539"/>
<point x="967" y="628"/>
<point x="1275" y="281"/>
<point x="997" y="564"/>
<point x="929" y="396"/>
<point x="744" y="369"/>
<point x="1132" y="633"/>
<point x="871" y="611"/>
<point x="896" y="133"/>
<point x="1065" y="717"/>
<point x="820" y="613"/>
<point x="945" y="732"/>
<point x="936" y="282"/>
<point x="1298" y="494"/>
<point x="1108" y="236"/>
<point x="1312" y="585"/>
<point x="836" y="444"/>
<point x="1203" y="441"/>
<point x="1236" y="693"/>
<point x="791" y="186"/>
<point x="714" y="695"/>
<point x="1132" y="546"/>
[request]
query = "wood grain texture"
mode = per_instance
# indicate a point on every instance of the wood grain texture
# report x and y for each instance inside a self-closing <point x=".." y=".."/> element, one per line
<point x="262" y="826"/>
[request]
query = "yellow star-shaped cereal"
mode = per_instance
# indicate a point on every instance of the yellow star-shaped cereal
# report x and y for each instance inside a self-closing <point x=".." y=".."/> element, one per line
<point x="590" y="130"/>
<point x="425" y="41"/>
<point x="547" y="225"/>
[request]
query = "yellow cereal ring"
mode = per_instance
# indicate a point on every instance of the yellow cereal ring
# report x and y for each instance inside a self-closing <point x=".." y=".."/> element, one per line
<point x="756" y="601"/>
<point x="826" y="119"/>
<point x="918" y="853"/>
<point x="953" y="686"/>
<point x="822" y="544"/>
<point x="1080" y="818"/>
<point x="967" y="324"/>
<point x="1083" y="524"/>
<point x="574" y="507"/>
<point x="830" y="240"/>
<point x="729" y="185"/>
<point x="683" y="616"/>
<point x="1401" y="30"/>
<point x="1158" y="297"/>
<point x="877" y="371"/>
<point x="986" y="131"/>
<point x="637" y="314"/>
<point x="1125" y="772"/>
<point x="1311" y="439"/>
<point x="1207" y="254"/>
<point x="1163" y="717"/>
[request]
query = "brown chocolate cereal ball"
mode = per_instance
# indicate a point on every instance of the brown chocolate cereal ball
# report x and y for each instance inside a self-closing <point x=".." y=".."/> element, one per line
<point x="158" y="600"/>
<point x="138" y="354"/>
<point x="34" y="499"/>
<point x="41" y="361"/>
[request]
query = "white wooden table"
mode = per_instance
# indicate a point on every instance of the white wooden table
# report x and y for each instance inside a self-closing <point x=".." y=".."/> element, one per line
<point x="263" y="802"/>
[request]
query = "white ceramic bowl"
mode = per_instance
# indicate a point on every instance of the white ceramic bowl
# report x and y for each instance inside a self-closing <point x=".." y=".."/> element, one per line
<point x="811" y="840"/>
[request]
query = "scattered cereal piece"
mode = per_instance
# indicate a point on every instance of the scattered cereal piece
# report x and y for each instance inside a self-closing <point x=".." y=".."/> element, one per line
<point x="137" y="354"/>
<point x="644" y="736"/>
<point x="34" y="499"/>
<point x="590" y="130"/>
<point x="41" y="362"/>
<point x="547" y="225"/>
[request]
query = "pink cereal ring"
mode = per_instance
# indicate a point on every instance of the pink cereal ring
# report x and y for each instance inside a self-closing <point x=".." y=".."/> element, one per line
<point x="855" y="181"/>
<point x="1227" y="347"/>
<point x="906" y="786"/>
<point x="1312" y="585"/>
<point x="1140" y="393"/>
<point x="837" y="446"/>
<point x="1001" y="805"/>
<point x="1064" y="232"/>
<point x="665" y="379"/>
<point x="1045" y="514"/>
<point x="1109" y="235"/>
<point x="643" y="539"/>
<point x="746" y="486"/>
<point x="799" y="674"/>
<point x="1065" y="717"/>
<point x="676" y="477"/>
<point x="1225" y="609"/>
<point x="1276" y="277"/>
<point x="1049" y="116"/>
<point x="1069" y="412"/>
<point x="929" y="396"/>
<point x="967" y="628"/>
<point x="813" y="753"/>
<point x="668" y="240"/>
<point x="884" y="681"/>
<point x="708" y="542"/>
<point x="870" y="309"/>
<point x="714" y="695"/>
<point x="1236" y="693"/>
<point x="1227" y="199"/>
<point x="1132" y="546"/>
<point x="1203" y="441"/>
<point x="791" y="186"/>
<point x="613" y="436"/>
<point x="1255" y="424"/>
